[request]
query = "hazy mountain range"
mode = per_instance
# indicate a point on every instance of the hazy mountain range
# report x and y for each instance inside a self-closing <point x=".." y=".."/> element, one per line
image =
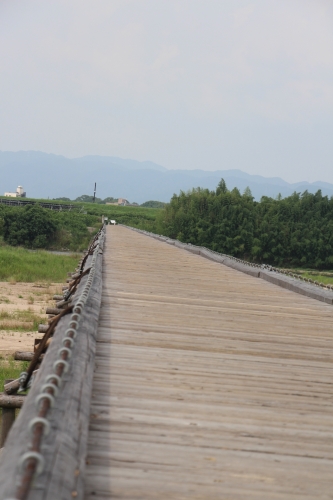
<point x="45" y="175"/>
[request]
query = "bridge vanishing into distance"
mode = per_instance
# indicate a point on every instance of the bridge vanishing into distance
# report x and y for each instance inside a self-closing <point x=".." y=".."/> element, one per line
<point x="178" y="377"/>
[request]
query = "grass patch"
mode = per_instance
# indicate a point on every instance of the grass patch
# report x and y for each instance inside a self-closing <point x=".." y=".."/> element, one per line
<point x="325" y="277"/>
<point x="139" y="217"/>
<point x="9" y="368"/>
<point x="21" y="265"/>
<point x="36" y="227"/>
<point x="20" y="321"/>
<point x="321" y="278"/>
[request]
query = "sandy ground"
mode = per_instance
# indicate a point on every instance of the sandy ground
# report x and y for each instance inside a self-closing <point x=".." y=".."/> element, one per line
<point x="32" y="298"/>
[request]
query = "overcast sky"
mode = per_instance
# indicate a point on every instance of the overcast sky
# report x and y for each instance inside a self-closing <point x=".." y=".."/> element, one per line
<point x="209" y="84"/>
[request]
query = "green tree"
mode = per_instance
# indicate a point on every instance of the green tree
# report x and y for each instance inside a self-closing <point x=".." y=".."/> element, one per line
<point x="248" y="193"/>
<point x="32" y="226"/>
<point x="153" y="204"/>
<point x="221" y="187"/>
<point x="293" y="231"/>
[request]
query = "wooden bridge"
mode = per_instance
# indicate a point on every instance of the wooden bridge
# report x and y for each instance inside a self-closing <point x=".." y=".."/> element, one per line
<point x="204" y="383"/>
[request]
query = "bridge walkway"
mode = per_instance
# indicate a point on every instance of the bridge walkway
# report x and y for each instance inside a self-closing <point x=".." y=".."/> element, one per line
<point x="209" y="384"/>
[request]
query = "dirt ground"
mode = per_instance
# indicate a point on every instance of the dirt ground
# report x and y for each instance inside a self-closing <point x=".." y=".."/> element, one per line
<point x="20" y="305"/>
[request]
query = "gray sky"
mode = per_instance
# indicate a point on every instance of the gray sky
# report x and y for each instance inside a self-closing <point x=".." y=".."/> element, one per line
<point x="209" y="84"/>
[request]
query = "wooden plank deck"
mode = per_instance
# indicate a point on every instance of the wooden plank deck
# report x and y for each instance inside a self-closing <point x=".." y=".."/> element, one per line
<point x="209" y="384"/>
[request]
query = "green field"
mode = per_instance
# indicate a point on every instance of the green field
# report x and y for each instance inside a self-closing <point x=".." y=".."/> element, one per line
<point x="25" y="321"/>
<point x="9" y="368"/>
<point x="75" y="229"/>
<point x="326" y="277"/>
<point x="100" y="209"/>
<point x="68" y="229"/>
<point x="22" y="265"/>
<point x="139" y="217"/>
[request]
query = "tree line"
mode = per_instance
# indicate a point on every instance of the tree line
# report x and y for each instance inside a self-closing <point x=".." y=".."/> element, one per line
<point x="296" y="231"/>
<point x="32" y="226"/>
<point x="85" y="198"/>
<point x="289" y="232"/>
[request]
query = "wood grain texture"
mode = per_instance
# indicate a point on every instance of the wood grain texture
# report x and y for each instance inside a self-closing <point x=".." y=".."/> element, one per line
<point x="7" y="401"/>
<point x="25" y="356"/>
<point x="290" y="283"/>
<point x="208" y="384"/>
<point x="7" y="417"/>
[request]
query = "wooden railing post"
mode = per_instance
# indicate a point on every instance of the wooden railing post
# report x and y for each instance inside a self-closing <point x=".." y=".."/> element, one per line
<point x="8" y="418"/>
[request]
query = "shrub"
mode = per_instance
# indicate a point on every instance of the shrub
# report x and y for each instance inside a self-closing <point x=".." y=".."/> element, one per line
<point x="32" y="226"/>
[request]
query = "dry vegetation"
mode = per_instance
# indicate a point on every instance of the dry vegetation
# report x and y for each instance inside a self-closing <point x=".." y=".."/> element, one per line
<point x="22" y="308"/>
<point x="23" y="305"/>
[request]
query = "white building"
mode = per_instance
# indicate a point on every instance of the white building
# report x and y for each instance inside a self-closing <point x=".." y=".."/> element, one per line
<point x="20" y="193"/>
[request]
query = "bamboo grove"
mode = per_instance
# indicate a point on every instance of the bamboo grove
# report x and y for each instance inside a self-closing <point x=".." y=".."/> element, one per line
<point x="294" y="231"/>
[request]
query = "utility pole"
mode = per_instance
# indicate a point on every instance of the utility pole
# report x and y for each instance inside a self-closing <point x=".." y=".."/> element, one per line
<point x="94" y="193"/>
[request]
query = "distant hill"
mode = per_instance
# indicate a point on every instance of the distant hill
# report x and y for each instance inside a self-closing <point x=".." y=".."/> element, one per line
<point x="46" y="175"/>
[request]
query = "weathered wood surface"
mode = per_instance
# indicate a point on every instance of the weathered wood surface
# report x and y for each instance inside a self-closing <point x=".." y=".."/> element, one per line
<point x="26" y="356"/>
<point x="53" y="310"/>
<point x="42" y="328"/>
<point x="7" y="417"/>
<point x="7" y="401"/>
<point x="12" y="386"/>
<point x="321" y="292"/>
<point x="209" y="383"/>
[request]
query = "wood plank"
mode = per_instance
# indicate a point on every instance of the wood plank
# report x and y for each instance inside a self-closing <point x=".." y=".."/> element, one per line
<point x="208" y="383"/>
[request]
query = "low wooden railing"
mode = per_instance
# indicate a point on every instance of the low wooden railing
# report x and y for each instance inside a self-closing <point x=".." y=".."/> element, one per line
<point x="280" y="277"/>
<point x="44" y="453"/>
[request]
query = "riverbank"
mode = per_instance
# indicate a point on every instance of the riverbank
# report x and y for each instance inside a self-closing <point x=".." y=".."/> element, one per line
<point x="22" y="309"/>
